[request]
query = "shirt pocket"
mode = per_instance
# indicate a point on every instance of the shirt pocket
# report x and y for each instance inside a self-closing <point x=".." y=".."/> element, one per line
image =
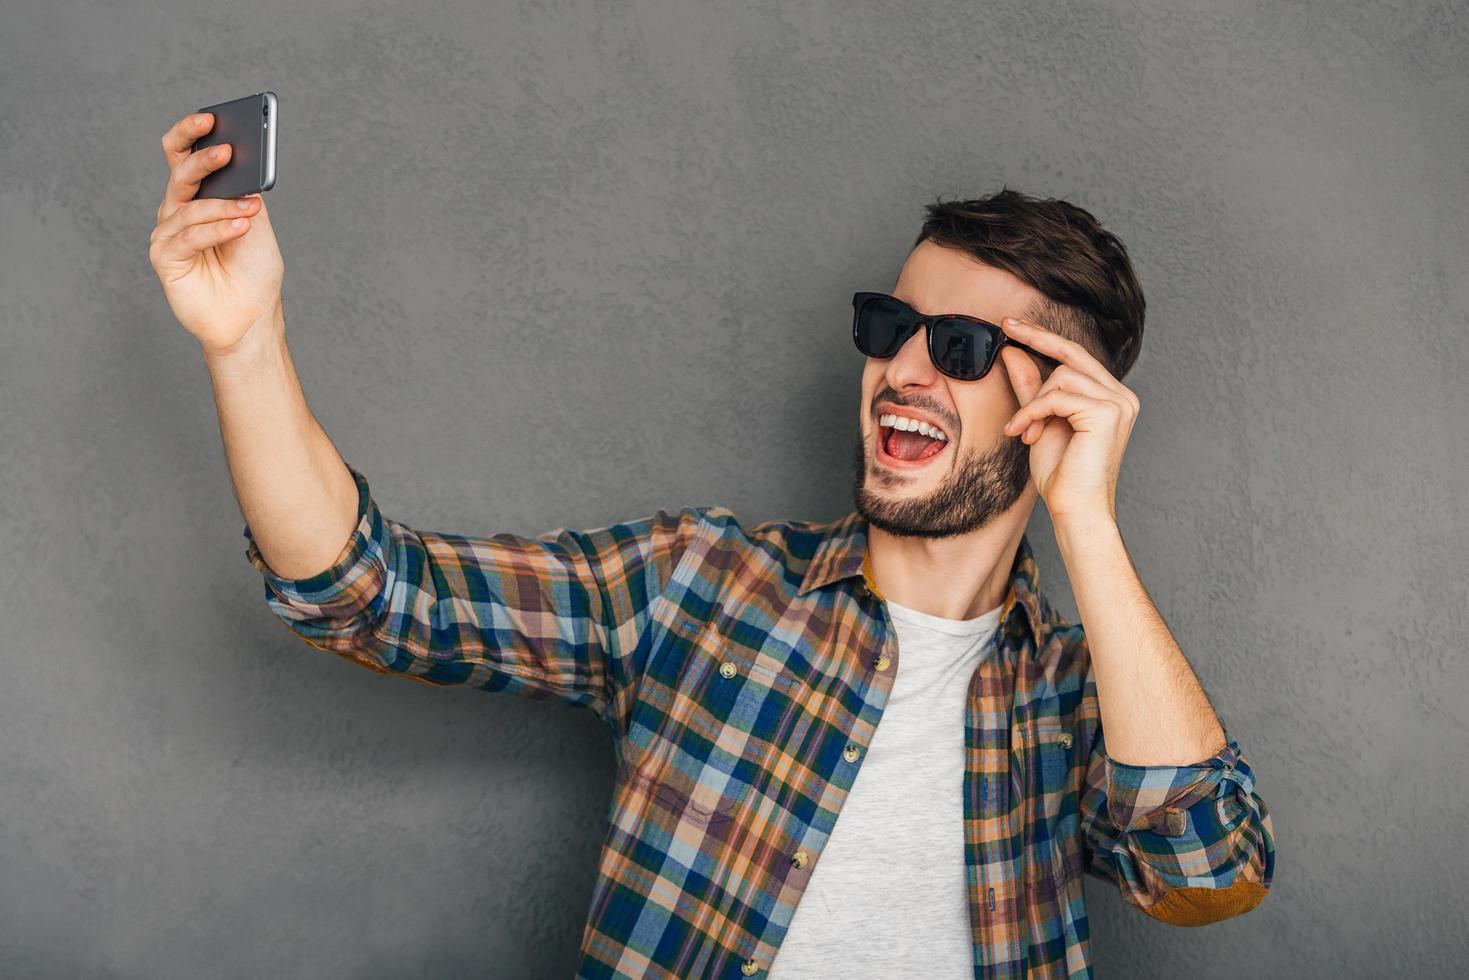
<point x="1053" y="873"/>
<point x="1050" y="751"/>
<point x="1053" y="748"/>
<point x="711" y="714"/>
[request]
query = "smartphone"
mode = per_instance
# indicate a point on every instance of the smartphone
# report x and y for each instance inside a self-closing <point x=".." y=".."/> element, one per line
<point x="249" y="125"/>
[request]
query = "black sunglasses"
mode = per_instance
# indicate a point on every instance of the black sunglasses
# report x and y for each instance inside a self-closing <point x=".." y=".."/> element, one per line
<point x="961" y="346"/>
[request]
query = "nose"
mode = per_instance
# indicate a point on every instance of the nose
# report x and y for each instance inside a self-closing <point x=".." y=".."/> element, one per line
<point x="911" y="365"/>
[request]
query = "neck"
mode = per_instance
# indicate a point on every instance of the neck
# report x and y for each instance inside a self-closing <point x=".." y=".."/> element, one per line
<point x="953" y="578"/>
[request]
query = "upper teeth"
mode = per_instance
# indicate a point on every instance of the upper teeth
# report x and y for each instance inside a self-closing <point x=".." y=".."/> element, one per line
<point x="913" y="425"/>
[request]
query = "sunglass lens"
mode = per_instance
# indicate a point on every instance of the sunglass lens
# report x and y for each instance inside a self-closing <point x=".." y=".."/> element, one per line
<point x="960" y="348"/>
<point x="879" y="327"/>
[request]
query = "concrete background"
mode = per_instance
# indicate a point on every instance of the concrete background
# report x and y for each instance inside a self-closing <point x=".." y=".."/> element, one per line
<point x="563" y="263"/>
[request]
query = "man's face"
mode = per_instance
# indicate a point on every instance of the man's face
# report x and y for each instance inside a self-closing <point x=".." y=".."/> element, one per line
<point x="980" y="471"/>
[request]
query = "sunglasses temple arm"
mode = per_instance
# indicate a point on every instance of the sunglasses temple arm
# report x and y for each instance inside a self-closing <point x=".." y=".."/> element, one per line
<point x="1026" y="347"/>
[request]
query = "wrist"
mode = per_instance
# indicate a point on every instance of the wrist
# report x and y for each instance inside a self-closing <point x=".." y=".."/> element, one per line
<point x="1084" y="530"/>
<point x="1084" y="522"/>
<point x="263" y="338"/>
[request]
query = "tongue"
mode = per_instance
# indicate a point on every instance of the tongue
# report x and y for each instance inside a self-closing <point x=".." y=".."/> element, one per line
<point x="911" y="445"/>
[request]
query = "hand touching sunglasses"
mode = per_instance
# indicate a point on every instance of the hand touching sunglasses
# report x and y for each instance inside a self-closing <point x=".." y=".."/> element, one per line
<point x="961" y="346"/>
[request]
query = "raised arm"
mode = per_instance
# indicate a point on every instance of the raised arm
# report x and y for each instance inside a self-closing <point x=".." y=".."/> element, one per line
<point x="557" y="616"/>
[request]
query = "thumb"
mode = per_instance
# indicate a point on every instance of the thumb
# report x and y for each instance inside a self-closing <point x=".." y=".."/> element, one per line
<point x="1024" y="376"/>
<point x="263" y="214"/>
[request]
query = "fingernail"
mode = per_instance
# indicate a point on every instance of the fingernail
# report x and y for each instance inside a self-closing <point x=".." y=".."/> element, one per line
<point x="200" y="119"/>
<point x="1010" y="321"/>
<point x="242" y="203"/>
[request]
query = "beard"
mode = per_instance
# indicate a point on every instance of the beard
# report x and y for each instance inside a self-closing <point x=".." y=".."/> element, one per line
<point x="982" y="486"/>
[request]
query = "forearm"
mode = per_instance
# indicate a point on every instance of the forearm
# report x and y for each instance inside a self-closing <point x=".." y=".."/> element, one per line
<point x="293" y="488"/>
<point x="1154" y="711"/>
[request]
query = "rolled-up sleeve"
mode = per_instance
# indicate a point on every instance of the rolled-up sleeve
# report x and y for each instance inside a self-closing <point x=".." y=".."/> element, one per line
<point x="334" y="605"/>
<point x="556" y="616"/>
<point x="1188" y="845"/>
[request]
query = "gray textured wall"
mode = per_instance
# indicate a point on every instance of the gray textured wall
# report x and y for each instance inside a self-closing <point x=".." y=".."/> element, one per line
<point x="563" y="263"/>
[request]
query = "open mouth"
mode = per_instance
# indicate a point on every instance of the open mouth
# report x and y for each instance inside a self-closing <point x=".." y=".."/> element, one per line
<point x="907" y="443"/>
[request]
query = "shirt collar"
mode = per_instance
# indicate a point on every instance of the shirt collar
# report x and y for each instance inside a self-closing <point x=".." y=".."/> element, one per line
<point x="842" y="554"/>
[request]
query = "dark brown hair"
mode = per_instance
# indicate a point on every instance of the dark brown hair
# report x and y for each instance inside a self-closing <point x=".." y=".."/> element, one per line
<point x="1092" y="293"/>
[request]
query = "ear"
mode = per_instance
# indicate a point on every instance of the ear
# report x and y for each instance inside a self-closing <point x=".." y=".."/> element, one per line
<point x="1021" y="370"/>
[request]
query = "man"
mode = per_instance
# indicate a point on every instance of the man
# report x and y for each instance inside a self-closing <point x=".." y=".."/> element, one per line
<point x="789" y="801"/>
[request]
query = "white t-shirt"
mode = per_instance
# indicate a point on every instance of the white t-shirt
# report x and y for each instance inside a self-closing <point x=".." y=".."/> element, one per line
<point x="888" y="896"/>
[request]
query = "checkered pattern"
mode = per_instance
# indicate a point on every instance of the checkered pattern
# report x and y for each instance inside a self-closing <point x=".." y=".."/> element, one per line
<point x="737" y="669"/>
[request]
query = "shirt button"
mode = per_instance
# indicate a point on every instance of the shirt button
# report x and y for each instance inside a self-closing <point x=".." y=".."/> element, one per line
<point x="850" y="753"/>
<point x="749" y="968"/>
<point x="800" y="859"/>
<point x="1064" y="741"/>
<point x="883" y="662"/>
<point x="727" y="669"/>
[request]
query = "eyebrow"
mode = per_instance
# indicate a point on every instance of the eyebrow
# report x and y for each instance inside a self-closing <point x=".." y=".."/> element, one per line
<point x="929" y="316"/>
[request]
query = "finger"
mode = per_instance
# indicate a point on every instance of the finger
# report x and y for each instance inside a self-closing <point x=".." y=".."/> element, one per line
<point x="1062" y="404"/>
<point x="263" y="214"/>
<point x="1037" y="429"/>
<point x="1067" y="378"/>
<point x="179" y="250"/>
<point x="184" y="179"/>
<point x="180" y="138"/>
<point x="1061" y="348"/>
<point x="206" y="209"/>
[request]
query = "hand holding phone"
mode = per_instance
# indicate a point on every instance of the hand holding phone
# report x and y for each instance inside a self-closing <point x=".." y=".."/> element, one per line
<point x="222" y="280"/>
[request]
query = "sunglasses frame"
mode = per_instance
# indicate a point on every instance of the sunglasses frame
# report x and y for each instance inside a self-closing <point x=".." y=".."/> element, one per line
<point x="915" y="320"/>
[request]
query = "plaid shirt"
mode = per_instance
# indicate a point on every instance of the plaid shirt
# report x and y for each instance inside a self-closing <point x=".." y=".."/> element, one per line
<point x="743" y="672"/>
